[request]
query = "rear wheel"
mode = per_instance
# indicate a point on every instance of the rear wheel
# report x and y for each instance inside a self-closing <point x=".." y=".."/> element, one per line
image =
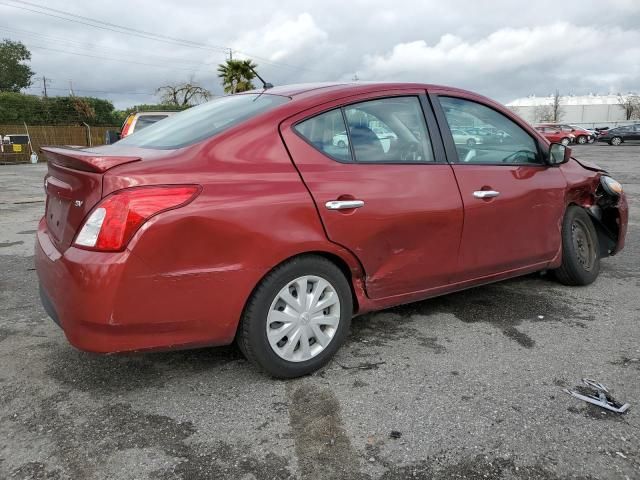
<point x="341" y="144"/>
<point x="297" y="318"/>
<point x="615" y="141"/>
<point x="582" y="139"/>
<point x="580" y="249"/>
<point x="471" y="142"/>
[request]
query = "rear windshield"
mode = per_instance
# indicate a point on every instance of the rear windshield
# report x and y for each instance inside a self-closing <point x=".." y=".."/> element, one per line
<point x="203" y="121"/>
<point x="145" y="120"/>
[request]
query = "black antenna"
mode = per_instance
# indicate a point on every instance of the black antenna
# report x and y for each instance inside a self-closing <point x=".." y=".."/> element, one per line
<point x="265" y="85"/>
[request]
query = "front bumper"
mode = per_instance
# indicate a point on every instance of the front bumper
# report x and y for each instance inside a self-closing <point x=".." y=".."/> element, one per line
<point x="113" y="302"/>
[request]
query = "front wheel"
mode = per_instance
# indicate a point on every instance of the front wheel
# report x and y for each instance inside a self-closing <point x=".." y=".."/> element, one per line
<point x="580" y="249"/>
<point x="582" y="139"/>
<point x="471" y="142"/>
<point x="565" y="141"/>
<point x="297" y="318"/>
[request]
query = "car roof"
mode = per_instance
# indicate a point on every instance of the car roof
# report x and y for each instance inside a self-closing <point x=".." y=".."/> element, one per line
<point x="338" y="89"/>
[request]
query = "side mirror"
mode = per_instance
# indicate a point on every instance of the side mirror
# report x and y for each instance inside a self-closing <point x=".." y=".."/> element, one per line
<point x="559" y="154"/>
<point x="111" y="136"/>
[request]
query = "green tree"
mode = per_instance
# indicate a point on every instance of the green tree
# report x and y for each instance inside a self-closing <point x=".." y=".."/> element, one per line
<point x="14" y="74"/>
<point x="236" y="75"/>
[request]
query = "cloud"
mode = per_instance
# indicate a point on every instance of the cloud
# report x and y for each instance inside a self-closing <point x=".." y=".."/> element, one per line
<point x="505" y="50"/>
<point x="560" y="53"/>
<point x="283" y="37"/>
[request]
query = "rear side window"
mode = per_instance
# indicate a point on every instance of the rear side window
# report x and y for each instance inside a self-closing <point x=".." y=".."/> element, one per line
<point x="389" y="130"/>
<point x="386" y="130"/>
<point x="327" y="133"/>
<point x="146" y="120"/>
<point x="203" y="121"/>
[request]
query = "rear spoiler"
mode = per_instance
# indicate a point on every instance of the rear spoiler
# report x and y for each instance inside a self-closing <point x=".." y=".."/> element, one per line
<point x="80" y="160"/>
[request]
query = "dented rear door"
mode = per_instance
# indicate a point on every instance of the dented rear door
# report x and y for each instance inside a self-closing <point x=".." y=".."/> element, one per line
<point x="407" y="231"/>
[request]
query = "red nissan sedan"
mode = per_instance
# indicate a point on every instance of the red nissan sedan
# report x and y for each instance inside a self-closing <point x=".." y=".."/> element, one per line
<point x="245" y="219"/>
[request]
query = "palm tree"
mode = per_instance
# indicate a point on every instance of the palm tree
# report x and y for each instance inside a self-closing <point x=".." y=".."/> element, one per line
<point x="236" y="75"/>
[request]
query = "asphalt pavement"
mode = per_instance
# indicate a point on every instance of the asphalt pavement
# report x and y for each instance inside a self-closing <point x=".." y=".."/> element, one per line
<point x="468" y="385"/>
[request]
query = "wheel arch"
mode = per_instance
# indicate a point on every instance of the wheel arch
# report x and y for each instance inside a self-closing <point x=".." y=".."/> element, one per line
<point x="348" y="265"/>
<point x="601" y="220"/>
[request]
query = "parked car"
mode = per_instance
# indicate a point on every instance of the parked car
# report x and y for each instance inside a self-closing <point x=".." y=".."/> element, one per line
<point x="581" y="135"/>
<point x="341" y="140"/>
<point x="134" y="122"/>
<point x="463" y="137"/>
<point x="620" y="135"/>
<point x="14" y="143"/>
<point x="555" y="135"/>
<point x="241" y="220"/>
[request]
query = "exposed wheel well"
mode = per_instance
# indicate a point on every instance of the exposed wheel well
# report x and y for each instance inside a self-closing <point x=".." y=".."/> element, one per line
<point x="605" y="222"/>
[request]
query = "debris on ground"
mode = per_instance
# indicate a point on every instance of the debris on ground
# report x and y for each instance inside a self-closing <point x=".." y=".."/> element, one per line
<point x="395" y="434"/>
<point x="597" y="394"/>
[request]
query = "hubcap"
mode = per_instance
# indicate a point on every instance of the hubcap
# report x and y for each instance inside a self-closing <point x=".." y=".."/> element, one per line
<point x="616" y="141"/>
<point x="583" y="245"/>
<point x="303" y="318"/>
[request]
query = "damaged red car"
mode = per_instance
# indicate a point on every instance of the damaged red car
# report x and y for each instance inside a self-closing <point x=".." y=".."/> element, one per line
<point x="271" y="217"/>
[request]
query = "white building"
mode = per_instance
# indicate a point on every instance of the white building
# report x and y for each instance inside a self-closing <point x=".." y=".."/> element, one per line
<point x="584" y="110"/>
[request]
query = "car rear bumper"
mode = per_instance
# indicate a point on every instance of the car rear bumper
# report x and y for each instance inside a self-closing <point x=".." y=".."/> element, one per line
<point x="112" y="302"/>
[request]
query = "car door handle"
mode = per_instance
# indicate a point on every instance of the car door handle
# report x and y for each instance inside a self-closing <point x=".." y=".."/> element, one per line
<point x="485" y="194"/>
<point x="344" y="204"/>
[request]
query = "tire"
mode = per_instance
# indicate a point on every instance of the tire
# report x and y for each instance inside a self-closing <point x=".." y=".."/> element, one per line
<point x="580" y="249"/>
<point x="615" y="141"/>
<point x="341" y="144"/>
<point x="266" y="307"/>
<point x="471" y="142"/>
<point x="565" y="141"/>
<point x="582" y="139"/>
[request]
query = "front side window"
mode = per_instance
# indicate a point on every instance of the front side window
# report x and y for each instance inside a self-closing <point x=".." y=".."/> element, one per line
<point x="505" y="142"/>
<point x="204" y="121"/>
<point x="389" y="130"/>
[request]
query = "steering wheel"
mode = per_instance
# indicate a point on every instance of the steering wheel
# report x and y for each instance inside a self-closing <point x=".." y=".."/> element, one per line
<point x="514" y="155"/>
<point x="411" y="152"/>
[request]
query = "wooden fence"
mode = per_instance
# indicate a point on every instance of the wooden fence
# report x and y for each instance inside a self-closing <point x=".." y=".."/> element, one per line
<point x="58" y="135"/>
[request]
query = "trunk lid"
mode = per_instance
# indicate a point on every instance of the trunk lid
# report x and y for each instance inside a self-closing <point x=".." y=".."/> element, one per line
<point x="73" y="186"/>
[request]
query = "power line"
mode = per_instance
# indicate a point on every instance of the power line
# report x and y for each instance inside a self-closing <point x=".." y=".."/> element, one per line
<point x="96" y="91"/>
<point x="172" y="67"/>
<point x="89" y="46"/>
<point x="134" y="32"/>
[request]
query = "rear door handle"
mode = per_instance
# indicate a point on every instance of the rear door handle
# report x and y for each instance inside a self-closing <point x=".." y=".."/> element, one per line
<point x="344" y="204"/>
<point x="485" y="194"/>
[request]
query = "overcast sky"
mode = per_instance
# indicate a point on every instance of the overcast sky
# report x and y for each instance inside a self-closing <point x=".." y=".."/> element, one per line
<point x="501" y="48"/>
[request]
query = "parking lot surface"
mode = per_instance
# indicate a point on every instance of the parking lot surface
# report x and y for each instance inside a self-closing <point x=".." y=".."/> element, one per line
<point x="468" y="385"/>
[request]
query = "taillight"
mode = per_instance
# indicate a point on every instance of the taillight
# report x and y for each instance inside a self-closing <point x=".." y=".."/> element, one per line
<point x="127" y="125"/>
<point x="118" y="217"/>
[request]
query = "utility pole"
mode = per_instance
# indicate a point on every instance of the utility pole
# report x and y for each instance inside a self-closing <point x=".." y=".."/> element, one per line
<point x="45" y="82"/>
<point x="230" y="54"/>
<point x="71" y="89"/>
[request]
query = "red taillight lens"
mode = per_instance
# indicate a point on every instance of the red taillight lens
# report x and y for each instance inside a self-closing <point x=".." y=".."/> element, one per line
<point x="116" y="218"/>
<point x="127" y="125"/>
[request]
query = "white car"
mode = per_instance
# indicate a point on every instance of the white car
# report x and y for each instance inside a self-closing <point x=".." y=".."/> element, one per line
<point x="461" y="137"/>
<point x="341" y="140"/>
